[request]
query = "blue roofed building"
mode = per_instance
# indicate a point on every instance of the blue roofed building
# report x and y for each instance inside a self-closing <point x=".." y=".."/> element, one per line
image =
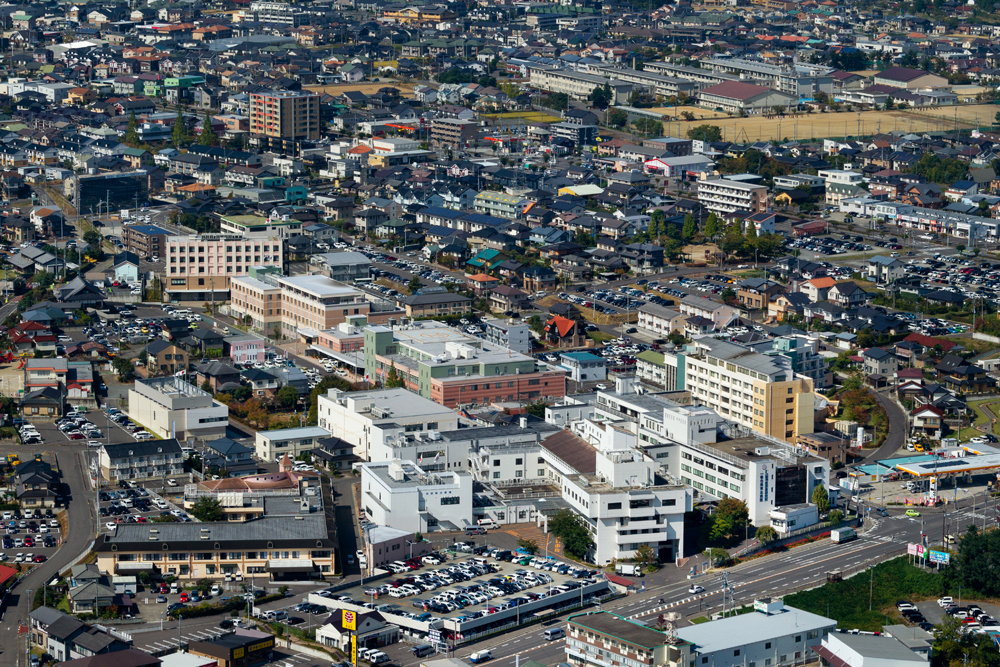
<point x="584" y="366"/>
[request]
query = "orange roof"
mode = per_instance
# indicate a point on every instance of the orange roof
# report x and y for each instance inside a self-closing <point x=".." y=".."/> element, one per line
<point x="822" y="282"/>
<point x="482" y="278"/>
<point x="563" y="325"/>
<point x="196" y="187"/>
<point x="357" y="150"/>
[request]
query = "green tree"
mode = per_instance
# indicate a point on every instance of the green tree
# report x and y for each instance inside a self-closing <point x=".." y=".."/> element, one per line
<point x="568" y="527"/>
<point x="645" y="555"/>
<point x="705" y="133"/>
<point x="208" y="136"/>
<point x="835" y="518"/>
<point x="601" y="96"/>
<point x="536" y="409"/>
<point x="179" y="136"/>
<point x="767" y="534"/>
<point x="92" y="237"/>
<point x="729" y="296"/>
<point x="731" y="516"/>
<point x="690" y="228"/>
<point x="557" y="101"/>
<point x="751" y="236"/>
<point x="132" y="132"/>
<point x="712" y="226"/>
<point x="207" y="509"/>
<point x="536" y="324"/>
<point x="124" y="369"/>
<point x="648" y="126"/>
<point x="287" y="396"/>
<point x="414" y="285"/>
<point x="617" y="118"/>
<point x="393" y="380"/>
<point x="821" y="499"/>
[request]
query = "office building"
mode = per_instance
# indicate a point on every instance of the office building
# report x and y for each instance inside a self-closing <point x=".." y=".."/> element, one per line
<point x="200" y="267"/>
<point x="297" y="306"/>
<point x="722" y="195"/>
<point x="285" y="115"/>
<point x="900" y="646"/>
<point x="373" y="421"/>
<point x="345" y="267"/>
<point x="92" y="193"/>
<point x="577" y="85"/>
<point x="584" y="366"/>
<point x="400" y="495"/>
<point x="283" y="227"/>
<point x="500" y="204"/>
<point x="454" y="368"/>
<point x="772" y="634"/>
<point x="241" y="648"/>
<point x="514" y="335"/>
<point x="759" y="392"/>
<point x="172" y="408"/>
<point x="281" y="13"/>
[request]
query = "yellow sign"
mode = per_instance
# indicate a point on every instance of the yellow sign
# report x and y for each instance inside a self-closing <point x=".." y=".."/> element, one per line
<point x="350" y="620"/>
<point x="262" y="645"/>
<point x="354" y="650"/>
<point x="237" y="653"/>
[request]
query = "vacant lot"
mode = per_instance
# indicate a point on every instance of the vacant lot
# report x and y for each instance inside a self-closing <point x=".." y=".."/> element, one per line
<point x="522" y="117"/>
<point x="843" y="124"/>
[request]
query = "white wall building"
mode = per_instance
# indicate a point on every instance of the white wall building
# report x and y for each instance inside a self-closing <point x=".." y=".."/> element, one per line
<point x="370" y="418"/>
<point x="172" y="408"/>
<point x="512" y="334"/>
<point x="272" y="445"/>
<point x="400" y="495"/>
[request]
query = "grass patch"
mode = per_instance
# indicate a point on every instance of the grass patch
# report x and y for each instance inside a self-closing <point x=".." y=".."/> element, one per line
<point x="699" y="620"/>
<point x="847" y="601"/>
<point x="599" y="336"/>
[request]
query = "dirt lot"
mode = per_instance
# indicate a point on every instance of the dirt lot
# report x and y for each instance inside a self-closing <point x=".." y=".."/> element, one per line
<point x="366" y="88"/>
<point x="824" y="125"/>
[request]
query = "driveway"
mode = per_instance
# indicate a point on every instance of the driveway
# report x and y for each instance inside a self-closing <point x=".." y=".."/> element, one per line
<point x="897" y="429"/>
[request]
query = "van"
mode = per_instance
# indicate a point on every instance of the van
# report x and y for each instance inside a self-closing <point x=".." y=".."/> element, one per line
<point x="479" y="560"/>
<point x="422" y="650"/>
<point x="365" y="653"/>
<point x="475" y="530"/>
<point x="486" y="523"/>
<point x="378" y="658"/>
<point x="554" y="633"/>
<point x="174" y="587"/>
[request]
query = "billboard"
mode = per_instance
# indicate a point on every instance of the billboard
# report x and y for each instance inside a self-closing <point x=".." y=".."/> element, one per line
<point x="942" y="557"/>
<point x="350" y="620"/>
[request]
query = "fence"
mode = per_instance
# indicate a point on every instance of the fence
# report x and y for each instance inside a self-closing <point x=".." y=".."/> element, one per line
<point x="808" y="530"/>
<point x="985" y="337"/>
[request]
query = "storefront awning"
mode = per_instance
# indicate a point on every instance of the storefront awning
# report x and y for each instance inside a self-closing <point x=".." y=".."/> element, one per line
<point x="291" y="565"/>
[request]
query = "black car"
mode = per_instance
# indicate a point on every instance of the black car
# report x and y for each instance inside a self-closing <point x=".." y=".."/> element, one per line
<point x="225" y="624"/>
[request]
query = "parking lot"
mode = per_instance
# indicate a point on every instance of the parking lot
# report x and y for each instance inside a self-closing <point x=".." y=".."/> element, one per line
<point x="131" y="503"/>
<point x="471" y="593"/>
<point x="31" y="536"/>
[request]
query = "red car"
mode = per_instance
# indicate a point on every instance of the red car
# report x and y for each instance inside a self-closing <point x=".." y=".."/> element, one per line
<point x="184" y="597"/>
<point x="28" y="542"/>
<point x="164" y="588"/>
<point x="76" y="436"/>
<point x="141" y="519"/>
<point x="39" y="558"/>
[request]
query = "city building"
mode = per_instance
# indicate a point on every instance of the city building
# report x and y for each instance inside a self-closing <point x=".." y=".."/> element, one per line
<point x="298" y="306"/>
<point x="772" y="634"/>
<point x="280" y="13"/>
<point x="273" y="445"/>
<point x="660" y="320"/>
<point x="512" y="334"/>
<point x="242" y="647"/>
<point x="373" y="420"/>
<point x="92" y="193"/>
<point x="578" y="85"/>
<point x="454" y="132"/>
<point x="152" y="459"/>
<point x="760" y="392"/>
<point x="344" y="267"/>
<point x="584" y="366"/>
<point x="454" y="368"/>
<point x="145" y="240"/>
<point x="901" y="646"/>
<point x="723" y="195"/>
<point x="295" y="545"/>
<point x="285" y="115"/>
<point x="400" y="495"/>
<point x="741" y="97"/>
<point x="602" y="638"/>
<point x="283" y="227"/>
<point x="500" y="204"/>
<point x="170" y="407"/>
<point x="199" y="268"/>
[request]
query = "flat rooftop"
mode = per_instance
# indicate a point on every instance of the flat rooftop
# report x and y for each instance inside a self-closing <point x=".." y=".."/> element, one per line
<point x="738" y="631"/>
<point x="173" y="386"/>
<point x="318" y="285"/>
<point x="620" y="627"/>
<point x="413" y="476"/>
<point x="395" y="403"/>
<point x="438" y="342"/>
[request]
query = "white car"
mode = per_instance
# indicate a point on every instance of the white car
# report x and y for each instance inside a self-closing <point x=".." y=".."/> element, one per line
<point x="602" y="387"/>
<point x="110" y="525"/>
<point x="19" y="558"/>
<point x="695" y="589"/>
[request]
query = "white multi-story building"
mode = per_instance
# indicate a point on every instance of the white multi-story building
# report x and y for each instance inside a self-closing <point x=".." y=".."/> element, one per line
<point x="841" y="177"/>
<point x="373" y="421"/>
<point x="401" y="495"/>
<point x="514" y="335"/>
<point x="172" y="408"/>
<point x="273" y="445"/>
<point x="723" y="195"/>
<point x="660" y="320"/>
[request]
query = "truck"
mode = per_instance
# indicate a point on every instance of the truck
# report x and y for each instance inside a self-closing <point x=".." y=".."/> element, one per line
<point x="628" y="569"/>
<point x="480" y="656"/>
<point x="839" y="535"/>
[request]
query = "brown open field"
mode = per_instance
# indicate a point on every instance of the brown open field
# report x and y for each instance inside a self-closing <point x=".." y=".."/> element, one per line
<point x="825" y="125"/>
<point x="366" y="88"/>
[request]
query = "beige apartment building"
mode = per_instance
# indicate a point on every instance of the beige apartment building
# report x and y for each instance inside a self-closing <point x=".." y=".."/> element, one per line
<point x="758" y="391"/>
<point x="297" y="305"/>
<point x="199" y="268"/>
<point x="723" y="195"/>
<point x="285" y="114"/>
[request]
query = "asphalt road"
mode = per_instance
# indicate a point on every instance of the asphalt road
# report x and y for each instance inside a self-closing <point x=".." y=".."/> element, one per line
<point x="81" y="519"/>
